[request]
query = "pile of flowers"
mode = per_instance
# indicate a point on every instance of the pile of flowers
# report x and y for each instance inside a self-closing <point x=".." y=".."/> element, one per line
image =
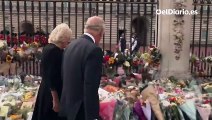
<point x="23" y="52"/>
<point x="196" y="62"/>
<point x="17" y="96"/>
<point x="41" y="39"/>
<point x="138" y="62"/>
<point x="207" y="59"/>
<point x="164" y="99"/>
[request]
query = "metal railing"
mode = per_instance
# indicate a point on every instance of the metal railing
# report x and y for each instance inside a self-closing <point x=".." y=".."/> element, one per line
<point x="201" y="44"/>
<point x="46" y="14"/>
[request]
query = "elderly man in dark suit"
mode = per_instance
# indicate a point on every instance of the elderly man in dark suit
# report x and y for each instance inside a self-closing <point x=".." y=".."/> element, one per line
<point x="82" y="68"/>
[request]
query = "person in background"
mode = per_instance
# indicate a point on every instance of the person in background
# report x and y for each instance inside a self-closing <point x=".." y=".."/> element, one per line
<point x="82" y="70"/>
<point x="39" y="31"/>
<point x="122" y="43"/>
<point x="135" y="44"/>
<point x="140" y="27"/>
<point x="47" y="103"/>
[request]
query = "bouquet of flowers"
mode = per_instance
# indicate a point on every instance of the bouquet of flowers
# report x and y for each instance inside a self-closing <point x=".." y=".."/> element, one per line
<point x="20" y="53"/>
<point x="195" y="60"/>
<point x="109" y="65"/>
<point x="41" y="39"/>
<point x="139" y="62"/>
<point x="5" y="37"/>
<point x="207" y="59"/>
<point x="155" y="56"/>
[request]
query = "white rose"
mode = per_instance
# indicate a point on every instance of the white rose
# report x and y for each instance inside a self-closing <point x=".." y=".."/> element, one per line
<point x="151" y="49"/>
<point x="17" y="80"/>
<point x="10" y="81"/>
<point x="127" y="64"/>
<point x="2" y="43"/>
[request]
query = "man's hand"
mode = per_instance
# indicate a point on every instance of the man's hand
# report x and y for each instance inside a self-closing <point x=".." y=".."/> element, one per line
<point x="55" y="105"/>
<point x="55" y="101"/>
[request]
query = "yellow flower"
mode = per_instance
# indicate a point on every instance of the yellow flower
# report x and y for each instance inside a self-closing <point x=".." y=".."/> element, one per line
<point x="9" y="59"/>
<point x="35" y="44"/>
<point x="27" y="45"/>
<point x="111" y="60"/>
<point x="146" y="57"/>
<point x="28" y="96"/>
<point x="127" y="64"/>
<point x="20" y="52"/>
<point x="3" y="43"/>
<point x="18" y="49"/>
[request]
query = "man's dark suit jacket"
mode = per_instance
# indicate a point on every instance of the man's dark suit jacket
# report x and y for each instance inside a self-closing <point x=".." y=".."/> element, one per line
<point x="82" y="68"/>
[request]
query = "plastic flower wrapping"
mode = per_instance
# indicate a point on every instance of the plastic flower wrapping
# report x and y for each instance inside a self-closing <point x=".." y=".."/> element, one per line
<point x="124" y="93"/>
<point x="17" y="96"/>
<point x="204" y="111"/>
<point x="146" y="108"/>
<point x="189" y="108"/>
<point x="107" y="109"/>
<point x="126" y="63"/>
<point x="164" y="99"/>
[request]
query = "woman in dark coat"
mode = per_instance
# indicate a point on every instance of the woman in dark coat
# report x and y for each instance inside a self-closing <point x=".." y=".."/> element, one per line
<point x="47" y="103"/>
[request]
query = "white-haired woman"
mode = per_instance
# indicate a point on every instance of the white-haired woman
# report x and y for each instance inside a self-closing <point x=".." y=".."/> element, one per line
<point x="47" y="103"/>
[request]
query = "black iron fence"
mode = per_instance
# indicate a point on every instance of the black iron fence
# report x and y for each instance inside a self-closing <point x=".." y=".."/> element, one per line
<point x="46" y="14"/>
<point x="201" y="44"/>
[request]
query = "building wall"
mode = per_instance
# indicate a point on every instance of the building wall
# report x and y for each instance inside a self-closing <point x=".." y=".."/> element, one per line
<point x="89" y="6"/>
<point x="114" y="20"/>
<point x="198" y="28"/>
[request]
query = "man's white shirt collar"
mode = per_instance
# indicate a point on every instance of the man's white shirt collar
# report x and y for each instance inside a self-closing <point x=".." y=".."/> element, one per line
<point x="90" y="36"/>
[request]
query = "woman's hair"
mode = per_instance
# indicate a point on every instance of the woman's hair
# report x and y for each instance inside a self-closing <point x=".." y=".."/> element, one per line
<point x="61" y="33"/>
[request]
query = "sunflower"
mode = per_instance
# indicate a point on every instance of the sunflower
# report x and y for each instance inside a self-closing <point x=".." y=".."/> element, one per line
<point x="9" y="58"/>
<point x="111" y="60"/>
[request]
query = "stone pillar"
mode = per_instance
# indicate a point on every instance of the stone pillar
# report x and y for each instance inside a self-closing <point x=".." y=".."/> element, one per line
<point x="169" y="65"/>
